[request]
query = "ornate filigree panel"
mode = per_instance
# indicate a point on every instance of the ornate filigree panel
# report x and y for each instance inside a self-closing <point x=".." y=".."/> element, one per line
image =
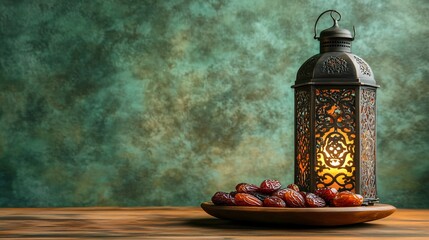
<point x="302" y="163"/>
<point x="368" y="144"/>
<point x="363" y="66"/>
<point x="335" y="65"/>
<point x="335" y="133"/>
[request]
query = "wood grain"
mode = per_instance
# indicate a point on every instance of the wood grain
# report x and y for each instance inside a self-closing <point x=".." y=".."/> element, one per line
<point x="187" y="223"/>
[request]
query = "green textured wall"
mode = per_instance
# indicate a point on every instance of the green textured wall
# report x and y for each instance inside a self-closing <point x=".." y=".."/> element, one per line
<point x="165" y="102"/>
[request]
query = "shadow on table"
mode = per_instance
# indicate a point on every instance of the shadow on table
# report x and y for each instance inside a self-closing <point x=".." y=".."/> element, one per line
<point x="220" y="224"/>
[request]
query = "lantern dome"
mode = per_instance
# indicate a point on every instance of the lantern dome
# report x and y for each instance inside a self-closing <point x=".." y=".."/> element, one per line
<point x="335" y="68"/>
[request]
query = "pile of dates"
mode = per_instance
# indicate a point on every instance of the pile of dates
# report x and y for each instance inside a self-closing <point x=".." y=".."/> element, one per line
<point x="271" y="194"/>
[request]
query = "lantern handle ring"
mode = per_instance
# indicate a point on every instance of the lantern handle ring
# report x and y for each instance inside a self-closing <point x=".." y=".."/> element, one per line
<point x="335" y="22"/>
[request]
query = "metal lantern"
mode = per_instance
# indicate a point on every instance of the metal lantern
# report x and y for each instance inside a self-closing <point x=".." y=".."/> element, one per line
<point x="335" y="117"/>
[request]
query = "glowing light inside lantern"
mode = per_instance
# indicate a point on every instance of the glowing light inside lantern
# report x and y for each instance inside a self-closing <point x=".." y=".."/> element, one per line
<point x="335" y="167"/>
<point x="335" y="139"/>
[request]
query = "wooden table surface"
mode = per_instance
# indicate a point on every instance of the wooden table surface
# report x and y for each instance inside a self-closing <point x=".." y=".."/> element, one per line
<point x="188" y="223"/>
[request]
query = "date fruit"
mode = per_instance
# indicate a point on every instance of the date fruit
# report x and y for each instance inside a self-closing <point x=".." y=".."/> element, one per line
<point x="245" y="199"/>
<point x="347" y="199"/>
<point x="246" y="188"/>
<point x="274" y="201"/>
<point x="326" y="193"/>
<point x="294" y="199"/>
<point x="259" y="196"/>
<point x="269" y="186"/>
<point x="279" y="193"/>
<point x="223" y="198"/>
<point x="313" y="200"/>
<point x="303" y="194"/>
<point x="293" y="186"/>
<point x="271" y="194"/>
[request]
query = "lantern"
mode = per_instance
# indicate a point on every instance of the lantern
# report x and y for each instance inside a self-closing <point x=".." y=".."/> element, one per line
<point x="335" y="117"/>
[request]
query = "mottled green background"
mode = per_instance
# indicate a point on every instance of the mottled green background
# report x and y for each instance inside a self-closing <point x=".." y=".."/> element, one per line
<point x="137" y="103"/>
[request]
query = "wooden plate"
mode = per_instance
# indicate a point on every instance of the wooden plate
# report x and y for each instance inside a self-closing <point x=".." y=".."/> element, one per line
<point x="327" y="216"/>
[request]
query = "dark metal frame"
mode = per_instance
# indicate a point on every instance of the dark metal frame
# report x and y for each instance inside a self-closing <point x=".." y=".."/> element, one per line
<point x="357" y="75"/>
<point x="311" y="88"/>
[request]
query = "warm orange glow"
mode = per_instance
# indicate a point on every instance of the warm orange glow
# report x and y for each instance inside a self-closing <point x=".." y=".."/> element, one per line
<point x="335" y="160"/>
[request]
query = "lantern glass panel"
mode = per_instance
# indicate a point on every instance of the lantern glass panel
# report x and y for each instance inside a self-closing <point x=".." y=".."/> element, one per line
<point x="335" y="133"/>
<point x="302" y="135"/>
<point x="368" y="144"/>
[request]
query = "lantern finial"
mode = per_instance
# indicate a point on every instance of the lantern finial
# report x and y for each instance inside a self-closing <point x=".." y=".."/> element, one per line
<point x="335" y="20"/>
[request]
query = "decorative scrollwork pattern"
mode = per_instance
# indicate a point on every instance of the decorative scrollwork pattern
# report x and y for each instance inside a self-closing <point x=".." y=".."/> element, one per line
<point x="368" y="144"/>
<point x="335" y="65"/>
<point x="363" y="66"/>
<point x="335" y="132"/>
<point x="302" y="116"/>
